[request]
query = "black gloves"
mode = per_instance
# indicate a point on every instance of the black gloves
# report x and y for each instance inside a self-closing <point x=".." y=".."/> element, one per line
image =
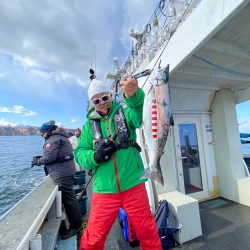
<point x="104" y="150"/>
<point x="35" y="161"/>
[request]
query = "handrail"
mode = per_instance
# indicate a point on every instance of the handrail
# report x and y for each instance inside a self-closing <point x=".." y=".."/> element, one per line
<point x="246" y="168"/>
<point x="157" y="32"/>
<point x="22" y="222"/>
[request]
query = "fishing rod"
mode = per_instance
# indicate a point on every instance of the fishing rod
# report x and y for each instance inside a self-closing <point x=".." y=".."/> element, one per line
<point x="135" y="76"/>
<point x="143" y="73"/>
<point x="92" y="175"/>
<point x="15" y="180"/>
<point x="85" y="188"/>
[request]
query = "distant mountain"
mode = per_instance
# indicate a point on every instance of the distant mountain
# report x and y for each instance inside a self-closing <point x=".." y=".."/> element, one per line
<point x="24" y="126"/>
<point x="24" y="130"/>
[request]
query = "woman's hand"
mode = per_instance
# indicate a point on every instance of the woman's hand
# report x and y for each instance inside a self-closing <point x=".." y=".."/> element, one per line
<point x="129" y="86"/>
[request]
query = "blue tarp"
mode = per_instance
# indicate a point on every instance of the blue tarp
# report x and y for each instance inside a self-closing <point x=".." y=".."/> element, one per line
<point x="244" y="135"/>
<point x="244" y="138"/>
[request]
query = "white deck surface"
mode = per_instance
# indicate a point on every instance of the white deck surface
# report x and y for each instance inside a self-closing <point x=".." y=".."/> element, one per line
<point x="24" y="220"/>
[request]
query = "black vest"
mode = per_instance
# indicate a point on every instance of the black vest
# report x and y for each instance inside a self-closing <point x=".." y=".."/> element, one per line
<point x="121" y="131"/>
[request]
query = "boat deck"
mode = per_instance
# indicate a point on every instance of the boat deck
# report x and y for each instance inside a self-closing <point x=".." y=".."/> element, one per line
<point x="115" y="239"/>
<point x="225" y="225"/>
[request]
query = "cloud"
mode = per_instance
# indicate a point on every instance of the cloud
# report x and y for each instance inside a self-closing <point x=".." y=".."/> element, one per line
<point x="47" y="48"/>
<point x="244" y="126"/>
<point x="74" y="120"/>
<point x="17" y="109"/>
<point x="59" y="124"/>
<point x="30" y="113"/>
<point x="61" y="35"/>
<point x="64" y="36"/>
<point x="26" y="62"/>
<point x="4" y="123"/>
<point x="57" y="76"/>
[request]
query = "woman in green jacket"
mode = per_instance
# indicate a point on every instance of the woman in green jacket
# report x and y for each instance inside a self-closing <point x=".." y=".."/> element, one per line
<point x="108" y="147"/>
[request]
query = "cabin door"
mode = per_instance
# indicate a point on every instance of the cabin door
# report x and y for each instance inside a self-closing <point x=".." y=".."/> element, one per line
<point x="190" y="159"/>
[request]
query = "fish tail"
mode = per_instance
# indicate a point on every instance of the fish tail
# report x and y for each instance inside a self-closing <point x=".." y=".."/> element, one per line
<point x="154" y="175"/>
<point x="171" y="120"/>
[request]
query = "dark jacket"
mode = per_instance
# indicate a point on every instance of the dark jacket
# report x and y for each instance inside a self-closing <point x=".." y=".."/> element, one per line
<point x="56" y="146"/>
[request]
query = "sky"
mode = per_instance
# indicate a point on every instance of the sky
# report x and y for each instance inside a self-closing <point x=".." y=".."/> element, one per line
<point x="46" y="51"/>
<point x="243" y="115"/>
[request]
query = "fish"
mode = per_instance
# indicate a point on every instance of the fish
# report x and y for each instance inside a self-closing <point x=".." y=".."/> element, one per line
<point x="157" y="119"/>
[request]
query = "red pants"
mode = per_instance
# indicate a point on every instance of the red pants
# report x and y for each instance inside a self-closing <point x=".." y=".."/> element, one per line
<point x="104" y="211"/>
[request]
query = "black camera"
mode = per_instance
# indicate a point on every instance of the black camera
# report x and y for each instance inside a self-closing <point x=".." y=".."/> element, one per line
<point x="104" y="150"/>
<point x="105" y="143"/>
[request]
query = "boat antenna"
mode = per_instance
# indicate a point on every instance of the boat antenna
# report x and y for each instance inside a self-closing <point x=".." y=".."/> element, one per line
<point x="91" y="63"/>
<point x="95" y="58"/>
<point x="131" y="30"/>
<point x="130" y="15"/>
<point x="92" y="71"/>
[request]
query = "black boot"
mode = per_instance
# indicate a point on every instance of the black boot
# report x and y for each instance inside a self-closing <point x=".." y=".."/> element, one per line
<point x="70" y="232"/>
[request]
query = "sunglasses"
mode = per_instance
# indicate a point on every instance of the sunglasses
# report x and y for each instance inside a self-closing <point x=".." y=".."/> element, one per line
<point x="104" y="98"/>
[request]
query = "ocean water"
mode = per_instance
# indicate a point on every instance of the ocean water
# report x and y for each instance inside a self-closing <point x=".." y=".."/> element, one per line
<point x="245" y="149"/>
<point x="17" y="178"/>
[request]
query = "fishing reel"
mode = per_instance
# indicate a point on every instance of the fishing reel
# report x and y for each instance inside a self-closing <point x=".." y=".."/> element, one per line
<point x="105" y="150"/>
<point x="35" y="160"/>
<point x="106" y="143"/>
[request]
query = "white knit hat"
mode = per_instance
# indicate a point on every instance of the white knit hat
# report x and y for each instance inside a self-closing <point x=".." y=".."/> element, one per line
<point x="97" y="87"/>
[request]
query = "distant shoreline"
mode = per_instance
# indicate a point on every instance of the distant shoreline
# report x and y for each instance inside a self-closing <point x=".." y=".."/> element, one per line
<point x="19" y="135"/>
<point x="23" y="131"/>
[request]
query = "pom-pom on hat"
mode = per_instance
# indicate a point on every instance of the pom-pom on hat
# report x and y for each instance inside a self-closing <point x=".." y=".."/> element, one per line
<point x="97" y="87"/>
<point x="47" y="126"/>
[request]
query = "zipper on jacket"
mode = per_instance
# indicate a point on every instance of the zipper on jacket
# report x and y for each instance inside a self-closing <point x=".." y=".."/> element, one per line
<point x="116" y="174"/>
<point x="114" y="158"/>
<point x="108" y="127"/>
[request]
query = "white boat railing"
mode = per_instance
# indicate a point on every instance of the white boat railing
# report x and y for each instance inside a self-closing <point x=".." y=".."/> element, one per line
<point x="165" y="20"/>
<point x="246" y="168"/>
<point x="20" y="225"/>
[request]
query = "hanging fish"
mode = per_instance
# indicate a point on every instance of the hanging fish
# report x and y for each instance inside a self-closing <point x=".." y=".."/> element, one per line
<point x="156" y="123"/>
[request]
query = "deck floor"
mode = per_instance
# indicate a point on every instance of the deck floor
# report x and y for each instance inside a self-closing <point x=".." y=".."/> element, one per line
<point x="115" y="240"/>
<point x="225" y="226"/>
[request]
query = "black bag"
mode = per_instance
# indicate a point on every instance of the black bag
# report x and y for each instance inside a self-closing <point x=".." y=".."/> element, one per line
<point x="168" y="225"/>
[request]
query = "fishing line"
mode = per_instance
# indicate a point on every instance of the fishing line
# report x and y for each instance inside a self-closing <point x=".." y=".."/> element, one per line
<point x="12" y="184"/>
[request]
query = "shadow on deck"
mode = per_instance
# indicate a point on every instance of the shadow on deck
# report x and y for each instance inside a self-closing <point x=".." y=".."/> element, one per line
<point x="225" y="226"/>
<point x="115" y="239"/>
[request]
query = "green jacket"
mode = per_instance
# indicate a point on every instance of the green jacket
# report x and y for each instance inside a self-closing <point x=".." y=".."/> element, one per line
<point x="124" y="169"/>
